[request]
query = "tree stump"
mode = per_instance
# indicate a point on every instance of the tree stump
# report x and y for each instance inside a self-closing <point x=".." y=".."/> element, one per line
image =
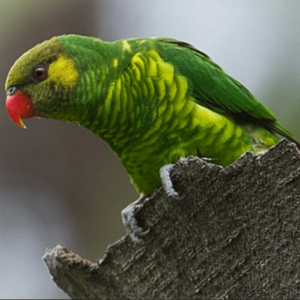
<point x="236" y="235"/>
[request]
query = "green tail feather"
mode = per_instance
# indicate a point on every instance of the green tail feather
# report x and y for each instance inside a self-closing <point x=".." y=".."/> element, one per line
<point x="278" y="128"/>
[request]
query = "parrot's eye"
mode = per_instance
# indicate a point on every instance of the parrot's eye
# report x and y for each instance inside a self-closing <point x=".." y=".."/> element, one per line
<point x="11" y="90"/>
<point x="40" y="73"/>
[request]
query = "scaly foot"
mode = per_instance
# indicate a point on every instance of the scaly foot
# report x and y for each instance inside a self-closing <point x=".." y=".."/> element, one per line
<point x="167" y="182"/>
<point x="136" y="233"/>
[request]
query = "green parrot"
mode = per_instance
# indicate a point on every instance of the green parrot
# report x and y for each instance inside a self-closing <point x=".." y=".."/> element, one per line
<point x="153" y="100"/>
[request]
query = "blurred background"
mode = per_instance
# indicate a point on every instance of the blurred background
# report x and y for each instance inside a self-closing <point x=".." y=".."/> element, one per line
<point x="60" y="184"/>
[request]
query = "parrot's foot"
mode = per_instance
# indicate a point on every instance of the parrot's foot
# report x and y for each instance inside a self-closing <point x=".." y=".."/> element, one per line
<point x="167" y="182"/>
<point x="130" y="223"/>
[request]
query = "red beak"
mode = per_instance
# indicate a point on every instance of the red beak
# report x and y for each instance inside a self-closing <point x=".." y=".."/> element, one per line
<point x="19" y="106"/>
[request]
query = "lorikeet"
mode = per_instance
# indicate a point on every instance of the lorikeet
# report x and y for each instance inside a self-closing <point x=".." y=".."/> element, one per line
<point x="153" y="100"/>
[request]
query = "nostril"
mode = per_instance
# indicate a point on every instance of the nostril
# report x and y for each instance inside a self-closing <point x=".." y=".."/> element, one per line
<point x="11" y="90"/>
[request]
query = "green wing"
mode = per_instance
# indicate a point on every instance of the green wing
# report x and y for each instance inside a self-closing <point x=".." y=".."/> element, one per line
<point x="214" y="89"/>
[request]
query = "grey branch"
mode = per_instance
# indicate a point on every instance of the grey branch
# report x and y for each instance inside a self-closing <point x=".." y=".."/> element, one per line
<point x="236" y="235"/>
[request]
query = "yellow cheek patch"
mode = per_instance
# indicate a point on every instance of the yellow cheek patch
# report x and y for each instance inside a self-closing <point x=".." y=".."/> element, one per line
<point x="63" y="70"/>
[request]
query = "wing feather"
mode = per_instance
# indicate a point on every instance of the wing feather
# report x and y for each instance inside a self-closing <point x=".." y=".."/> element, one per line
<point x="213" y="88"/>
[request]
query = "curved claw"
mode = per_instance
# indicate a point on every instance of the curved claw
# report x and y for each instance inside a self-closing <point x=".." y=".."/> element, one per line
<point x="167" y="182"/>
<point x="140" y="232"/>
<point x="136" y="232"/>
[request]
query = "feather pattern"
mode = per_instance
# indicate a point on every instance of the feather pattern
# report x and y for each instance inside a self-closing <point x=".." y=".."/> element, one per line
<point x="152" y="100"/>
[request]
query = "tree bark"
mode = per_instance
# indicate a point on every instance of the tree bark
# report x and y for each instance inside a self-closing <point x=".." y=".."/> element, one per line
<point x="236" y="235"/>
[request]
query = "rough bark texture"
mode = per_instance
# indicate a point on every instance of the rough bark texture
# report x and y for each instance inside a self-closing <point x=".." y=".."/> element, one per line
<point x="236" y="235"/>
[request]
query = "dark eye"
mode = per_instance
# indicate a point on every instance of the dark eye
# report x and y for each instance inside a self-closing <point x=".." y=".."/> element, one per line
<point x="40" y="73"/>
<point x="11" y="90"/>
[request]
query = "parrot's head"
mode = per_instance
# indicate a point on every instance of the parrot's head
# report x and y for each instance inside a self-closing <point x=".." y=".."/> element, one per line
<point x="41" y="83"/>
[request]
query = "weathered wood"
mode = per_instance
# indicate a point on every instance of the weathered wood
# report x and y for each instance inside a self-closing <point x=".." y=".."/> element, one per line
<point x="236" y="235"/>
